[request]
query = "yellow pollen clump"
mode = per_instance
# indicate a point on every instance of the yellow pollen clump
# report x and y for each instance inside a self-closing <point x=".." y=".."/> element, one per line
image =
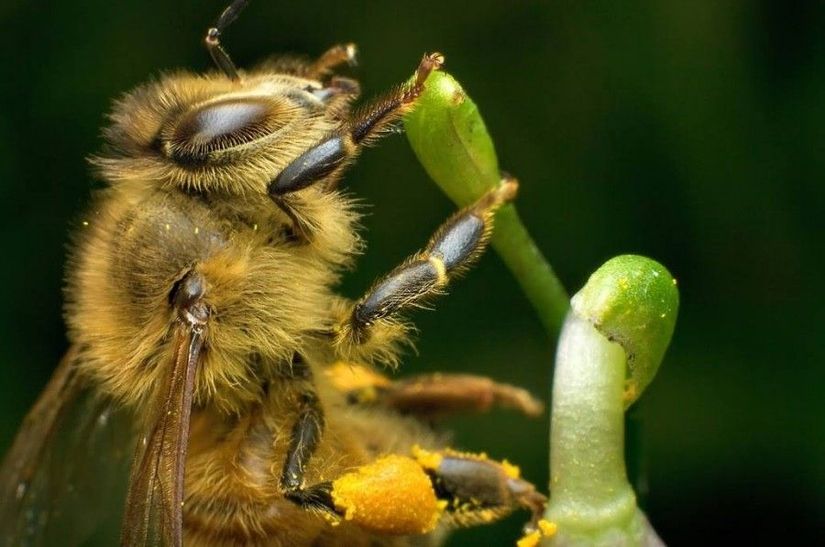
<point x="487" y="515"/>
<point x="391" y="496"/>
<point x="426" y="459"/>
<point x="352" y="376"/>
<point x="548" y="528"/>
<point x="531" y="539"/>
<point x="631" y="392"/>
<point x="367" y="395"/>
<point x="511" y="470"/>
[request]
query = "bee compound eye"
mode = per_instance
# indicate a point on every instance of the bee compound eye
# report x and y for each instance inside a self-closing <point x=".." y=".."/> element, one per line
<point x="224" y="124"/>
<point x="222" y="120"/>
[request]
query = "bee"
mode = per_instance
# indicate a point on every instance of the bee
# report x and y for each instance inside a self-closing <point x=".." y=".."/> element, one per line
<point x="217" y="390"/>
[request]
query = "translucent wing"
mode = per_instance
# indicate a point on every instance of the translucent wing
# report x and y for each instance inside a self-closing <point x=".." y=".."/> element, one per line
<point x="64" y="479"/>
<point x="154" y="506"/>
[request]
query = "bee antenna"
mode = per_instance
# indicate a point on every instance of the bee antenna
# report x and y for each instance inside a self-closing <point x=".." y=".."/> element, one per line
<point x="213" y="39"/>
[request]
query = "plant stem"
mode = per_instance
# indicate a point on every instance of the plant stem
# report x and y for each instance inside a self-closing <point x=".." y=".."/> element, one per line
<point x="592" y="500"/>
<point x="513" y="243"/>
<point x="611" y="345"/>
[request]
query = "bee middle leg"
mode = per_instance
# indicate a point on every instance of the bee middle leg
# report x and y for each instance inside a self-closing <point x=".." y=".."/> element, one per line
<point x="430" y="396"/>
<point x="304" y="438"/>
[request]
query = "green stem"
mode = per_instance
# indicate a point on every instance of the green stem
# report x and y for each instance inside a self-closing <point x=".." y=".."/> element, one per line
<point x="449" y="138"/>
<point x="592" y="501"/>
<point x="519" y="252"/>
<point x="612" y="342"/>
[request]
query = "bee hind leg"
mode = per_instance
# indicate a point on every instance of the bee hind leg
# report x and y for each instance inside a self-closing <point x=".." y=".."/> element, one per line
<point x="479" y="490"/>
<point x="410" y="495"/>
<point x="403" y="495"/>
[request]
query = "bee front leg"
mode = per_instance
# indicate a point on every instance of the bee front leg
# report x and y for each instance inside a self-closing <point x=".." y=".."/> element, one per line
<point x="326" y="161"/>
<point x="454" y="247"/>
<point x="335" y="56"/>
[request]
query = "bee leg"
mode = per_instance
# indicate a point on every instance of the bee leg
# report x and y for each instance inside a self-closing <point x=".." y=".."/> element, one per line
<point x="306" y="433"/>
<point x="331" y="58"/>
<point x="451" y="250"/>
<point x="370" y="122"/>
<point x="433" y="396"/>
<point x="326" y="160"/>
<point x="429" y="395"/>
<point x="401" y="495"/>
<point x="479" y="490"/>
<point x="305" y="436"/>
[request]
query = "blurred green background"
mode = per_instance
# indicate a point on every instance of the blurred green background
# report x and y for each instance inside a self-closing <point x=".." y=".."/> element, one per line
<point x="691" y="132"/>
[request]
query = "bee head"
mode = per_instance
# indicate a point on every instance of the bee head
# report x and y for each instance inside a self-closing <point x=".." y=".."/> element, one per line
<point x="211" y="134"/>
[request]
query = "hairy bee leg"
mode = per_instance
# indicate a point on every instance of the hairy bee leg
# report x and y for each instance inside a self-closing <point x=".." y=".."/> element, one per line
<point x="326" y="160"/>
<point x="335" y="56"/>
<point x="479" y="490"/>
<point x="306" y="433"/>
<point x="213" y="39"/>
<point x="430" y="395"/>
<point x="304" y="438"/>
<point x="437" y="395"/>
<point x="369" y="122"/>
<point x="451" y="250"/>
<point x="400" y="495"/>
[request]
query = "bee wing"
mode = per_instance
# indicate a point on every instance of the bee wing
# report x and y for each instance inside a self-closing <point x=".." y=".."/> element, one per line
<point x="154" y="511"/>
<point x="67" y="464"/>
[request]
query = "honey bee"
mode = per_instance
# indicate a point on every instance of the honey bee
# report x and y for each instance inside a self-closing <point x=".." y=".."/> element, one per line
<point x="217" y="390"/>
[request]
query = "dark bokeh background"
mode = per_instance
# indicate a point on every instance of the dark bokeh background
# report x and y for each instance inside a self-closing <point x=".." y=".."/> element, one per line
<point x="687" y="131"/>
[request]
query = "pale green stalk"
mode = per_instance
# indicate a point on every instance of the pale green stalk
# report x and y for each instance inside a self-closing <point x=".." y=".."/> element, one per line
<point x="611" y="345"/>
